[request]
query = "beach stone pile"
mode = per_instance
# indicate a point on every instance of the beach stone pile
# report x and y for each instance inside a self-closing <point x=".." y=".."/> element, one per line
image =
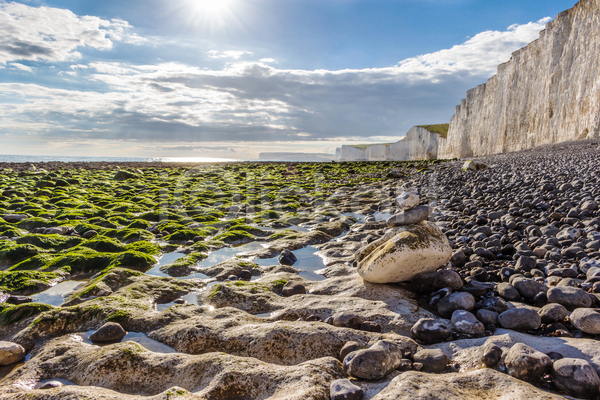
<point x="411" y="246"/>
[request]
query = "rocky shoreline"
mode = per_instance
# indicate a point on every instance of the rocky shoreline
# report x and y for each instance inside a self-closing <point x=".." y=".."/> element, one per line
<point x="199" y="281"/>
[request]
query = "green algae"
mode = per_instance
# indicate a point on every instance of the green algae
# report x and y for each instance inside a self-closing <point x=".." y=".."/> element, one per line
<point x="11" y="314"/>
<point x="85" y="261"/>
<point x="27" y="282"/>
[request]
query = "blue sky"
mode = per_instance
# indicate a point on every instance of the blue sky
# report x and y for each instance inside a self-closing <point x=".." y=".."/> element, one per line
<point x="231" y="78"/>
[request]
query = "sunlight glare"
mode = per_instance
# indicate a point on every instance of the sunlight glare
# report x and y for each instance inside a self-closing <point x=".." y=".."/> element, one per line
<point x="211" y="8"/>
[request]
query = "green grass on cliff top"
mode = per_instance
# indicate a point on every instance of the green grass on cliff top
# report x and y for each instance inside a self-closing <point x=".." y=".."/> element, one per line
<point x="440" y="129"/>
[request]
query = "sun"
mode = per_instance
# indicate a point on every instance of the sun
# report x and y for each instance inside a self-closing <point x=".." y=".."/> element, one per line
<point x="214" y="8"/>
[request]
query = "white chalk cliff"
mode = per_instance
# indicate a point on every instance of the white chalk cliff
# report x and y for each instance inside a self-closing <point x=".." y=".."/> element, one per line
<point x="548" y="92"/>
<point x="418" y="144"/>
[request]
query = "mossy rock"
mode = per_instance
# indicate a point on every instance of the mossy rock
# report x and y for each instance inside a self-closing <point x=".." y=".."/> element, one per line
<point x="29" y="282"/>
<point x="11" y="314"/>
<point x="32" y="223"/>
<point x="104" y="244"/>
<point x="139" y="224"/>
<point x="50" y="242"/>
<point x="185" y="234"/>
<point x="11" y="253"/>
<point x="181" y="267"/>
<point x="87" y="261"/>
<point x="235" y="237"/>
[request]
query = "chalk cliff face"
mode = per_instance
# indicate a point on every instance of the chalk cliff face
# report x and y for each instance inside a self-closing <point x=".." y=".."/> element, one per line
<point x="418" y="144"/>
<point x="548" y="92"/>
<point x="350" y="153"/>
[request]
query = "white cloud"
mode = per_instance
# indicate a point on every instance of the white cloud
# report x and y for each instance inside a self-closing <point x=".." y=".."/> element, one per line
<point x="21" y="67"/>
<point x="231" y="54"/>
<point x="253" y="102"/>
<point x="481" y="54"/>
<point x="53" y="34"/>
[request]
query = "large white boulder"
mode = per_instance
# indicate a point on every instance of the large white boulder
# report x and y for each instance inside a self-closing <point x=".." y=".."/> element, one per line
<point x="403" y="252"/>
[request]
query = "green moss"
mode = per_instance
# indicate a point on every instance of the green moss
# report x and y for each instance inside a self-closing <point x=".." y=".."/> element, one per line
<point x="85" y="261"/>
<point x="234" y="236"/>
<point x="139" y="224"/>
<point x="215" y="291"/>
<point x="104" y="245"/>
<point x="118" y="316"/>
<point x="12" y="314"/>
<point x="11" y="253"/>
<point x="186" y="261"/>
<point x="149" y="248"/>
<point x="32" y="223"/>
<point x="130" y="235"/>
<point x="27" y="281"/>
<point x="50" y="242"/>
<point x="185" y="234"/>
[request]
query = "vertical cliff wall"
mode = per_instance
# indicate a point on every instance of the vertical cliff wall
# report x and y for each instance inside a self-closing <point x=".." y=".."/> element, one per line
<point x="548" y="92"/>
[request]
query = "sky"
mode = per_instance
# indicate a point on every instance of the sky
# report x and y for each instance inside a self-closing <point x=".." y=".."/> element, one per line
<point x="233" y="78"/>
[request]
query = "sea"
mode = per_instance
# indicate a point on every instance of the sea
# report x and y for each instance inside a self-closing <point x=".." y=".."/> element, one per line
<point x="37" y="159"/>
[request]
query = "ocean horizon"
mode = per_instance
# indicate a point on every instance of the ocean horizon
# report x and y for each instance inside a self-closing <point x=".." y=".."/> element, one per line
<point x="6" y="158"/>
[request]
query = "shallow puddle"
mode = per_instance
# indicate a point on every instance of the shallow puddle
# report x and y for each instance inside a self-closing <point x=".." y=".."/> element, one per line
<point x="308" y="261"/>
<point x="382" y="216"/>
<point x="191" y="298"/>
<point x="170" y="258"/>
<point x="214" y="258"/>
<point x="7" y="369"/>
<point x="57" y="294"/>
<point x="138" y="337"/>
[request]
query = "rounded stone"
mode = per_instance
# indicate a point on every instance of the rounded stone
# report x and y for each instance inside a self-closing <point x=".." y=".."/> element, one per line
<point x="576" y="377"/>
<point x="528" y="288"/>
<point x="89" y="234"/>
<point x="552" y="313"/>
<point x="570" y="297"/>
<point x="587" y="320"/>
<point x="433" y="360"/>
<point x="348" y="348"/>
<point x="430" y="282"/>
<point x="456" y="301"/>
<point x="11" y="353"/>
<point x="402" y="253"/>
<point x="508" y="292"/>
<point x="292" y="288"/>
<point x="50" y="385"/>
<point x="487" y="317"/>
<point x="343" y="389"/>
<point x="408" y="200"/>
<point x="109" y="332"/>
<point x="526" y="363"/>
<point x="520" y="319"/>
<point x="287" y="258"/>
<point x="245" y="275"/>
<point x="430" y="331"/>
<point x="491" y="355"/>
<point x="465" y="322"/>
<point x="410" y="217"/>
<point x="347" y="320"/>
<point x="375" y="362"/>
